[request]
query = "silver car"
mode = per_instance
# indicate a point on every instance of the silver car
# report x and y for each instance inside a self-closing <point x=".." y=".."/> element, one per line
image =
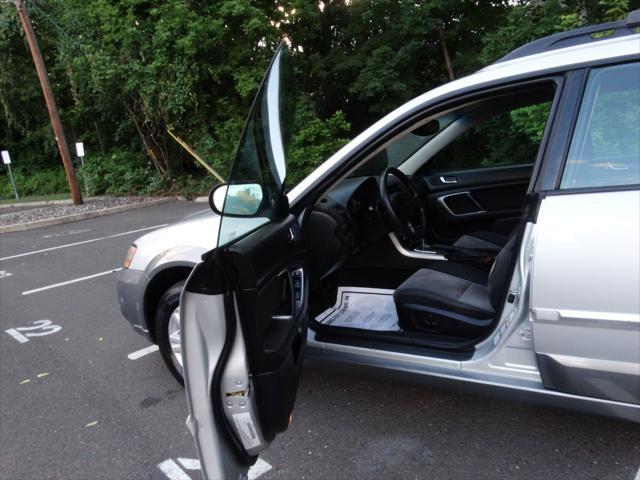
<point x="483" y="236"/>
<point x="156" y="268"/>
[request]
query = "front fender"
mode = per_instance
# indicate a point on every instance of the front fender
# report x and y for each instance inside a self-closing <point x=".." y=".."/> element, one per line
<point x="183" y="256"/>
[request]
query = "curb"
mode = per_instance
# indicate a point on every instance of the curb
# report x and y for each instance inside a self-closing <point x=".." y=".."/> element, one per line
<point x="42" y="203"/>
<point x="21" y="227"/>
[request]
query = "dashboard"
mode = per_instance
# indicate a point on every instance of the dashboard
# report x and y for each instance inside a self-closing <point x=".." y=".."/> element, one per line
<point x="344" y="221"/>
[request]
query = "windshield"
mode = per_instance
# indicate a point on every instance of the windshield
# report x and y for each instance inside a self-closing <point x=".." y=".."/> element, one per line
<point x="402" y="148"/>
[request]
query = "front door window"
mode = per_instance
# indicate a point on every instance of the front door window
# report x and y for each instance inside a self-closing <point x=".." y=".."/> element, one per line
<point x="261" y="155"/>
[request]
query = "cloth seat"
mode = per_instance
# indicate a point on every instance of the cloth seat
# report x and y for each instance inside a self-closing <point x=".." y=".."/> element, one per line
<point x="454" y="298"/>
<point x="489" y="241"/>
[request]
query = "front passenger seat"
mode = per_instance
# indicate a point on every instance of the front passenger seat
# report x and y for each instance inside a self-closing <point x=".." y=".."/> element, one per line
<point x="454" y="299"/>
<point x="486" y="241"/>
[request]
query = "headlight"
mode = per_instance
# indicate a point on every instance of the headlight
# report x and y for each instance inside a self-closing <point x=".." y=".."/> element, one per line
<point x="129" y="257"/>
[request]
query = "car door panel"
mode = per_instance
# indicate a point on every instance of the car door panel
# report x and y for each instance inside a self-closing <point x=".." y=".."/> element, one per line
<point x="204" y="330"/>
<point x="478" y="177"/>
<point x="585" y="294"/>
<point x="474" y="200"/>
<point x="271" y="296"/>
<point x="243" y="308"/>
<point x="243" y="314"/>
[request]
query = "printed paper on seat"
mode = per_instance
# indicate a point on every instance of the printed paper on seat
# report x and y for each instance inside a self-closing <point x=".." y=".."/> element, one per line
<point x="365" y="308"/>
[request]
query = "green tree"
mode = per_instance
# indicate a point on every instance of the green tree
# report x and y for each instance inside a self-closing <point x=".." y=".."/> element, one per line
<point x="125" y="71"/>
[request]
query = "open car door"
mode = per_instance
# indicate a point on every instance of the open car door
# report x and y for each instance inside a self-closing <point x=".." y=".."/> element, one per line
<point x="243" y="309"/>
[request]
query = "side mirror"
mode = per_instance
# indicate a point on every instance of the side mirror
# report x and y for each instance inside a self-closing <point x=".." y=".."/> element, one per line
<point x="237" y="200"/>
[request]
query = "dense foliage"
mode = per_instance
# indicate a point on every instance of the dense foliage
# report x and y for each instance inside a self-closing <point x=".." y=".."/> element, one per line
<point x="125" y="71"/>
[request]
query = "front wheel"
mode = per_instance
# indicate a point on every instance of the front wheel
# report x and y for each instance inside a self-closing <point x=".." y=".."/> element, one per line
<point x="167" y="328"/>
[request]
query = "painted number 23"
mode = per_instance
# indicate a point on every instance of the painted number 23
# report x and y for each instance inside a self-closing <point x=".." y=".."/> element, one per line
<point x="40" y="329"/>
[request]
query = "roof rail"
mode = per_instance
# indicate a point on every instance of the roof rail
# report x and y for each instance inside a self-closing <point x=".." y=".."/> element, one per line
<point x="593" y="33"/>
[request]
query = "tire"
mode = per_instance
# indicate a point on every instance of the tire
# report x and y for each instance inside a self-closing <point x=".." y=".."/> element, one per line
<point x="169" y="302"/>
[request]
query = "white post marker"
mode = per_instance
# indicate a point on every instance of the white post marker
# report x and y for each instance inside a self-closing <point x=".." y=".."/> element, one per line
<point x="80" y="153"/>
<point x="6" y="159"/>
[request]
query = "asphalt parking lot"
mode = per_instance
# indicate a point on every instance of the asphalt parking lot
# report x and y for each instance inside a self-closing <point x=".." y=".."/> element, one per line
<point x="74" y="406"/>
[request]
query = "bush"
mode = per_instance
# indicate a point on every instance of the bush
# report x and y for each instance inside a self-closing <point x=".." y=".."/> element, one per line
<point x="122" y="173"/>
<point x="43" y="182"/>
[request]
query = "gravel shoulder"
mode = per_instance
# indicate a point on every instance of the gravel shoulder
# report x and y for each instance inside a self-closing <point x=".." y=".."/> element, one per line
<point x="21" y="215"/>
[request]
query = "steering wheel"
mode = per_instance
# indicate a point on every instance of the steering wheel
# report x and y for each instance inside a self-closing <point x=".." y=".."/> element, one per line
<point x="404" y="209"/>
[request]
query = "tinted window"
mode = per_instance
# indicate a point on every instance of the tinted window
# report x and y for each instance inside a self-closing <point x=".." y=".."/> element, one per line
<point x="398" y="151"/>
<point x="505" y="137"/>
<point x="260" y="163"/>
<point x="605" y="149"/>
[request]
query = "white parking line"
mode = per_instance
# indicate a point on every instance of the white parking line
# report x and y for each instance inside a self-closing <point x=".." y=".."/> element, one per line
<point x="75" y="280"/>
<point x="173" y="471"/>
<point x="17" y="335"/>
<point x="637" y="474"/>
<point x="67" y="245"/>
<point x="142" y="352"/>
<point x="258" y="469"/>
<point x="189" y="463"/>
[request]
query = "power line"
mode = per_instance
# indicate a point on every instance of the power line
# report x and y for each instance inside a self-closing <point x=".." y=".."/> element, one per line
<point x="53" y="22"/>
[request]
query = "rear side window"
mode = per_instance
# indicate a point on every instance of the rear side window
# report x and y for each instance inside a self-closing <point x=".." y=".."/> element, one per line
<point x="605" y="149"/>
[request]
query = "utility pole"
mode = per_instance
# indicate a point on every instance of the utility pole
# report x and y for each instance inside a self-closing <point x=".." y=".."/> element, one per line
<point x="50" y="101"/>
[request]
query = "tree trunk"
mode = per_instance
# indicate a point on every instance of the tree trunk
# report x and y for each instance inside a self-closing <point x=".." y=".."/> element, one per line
<point x="445" y="52"/>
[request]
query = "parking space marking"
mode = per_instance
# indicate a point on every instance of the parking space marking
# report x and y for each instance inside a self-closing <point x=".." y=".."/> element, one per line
<point x="189" y="463"/>
<point x="258" y="469"/>
<point x="68" y="282"/>
<point x="173" y="471"/>
<point x="142" y="352"/>
<point x="67" y="245"/>
<point x="637" y="474"/>
<point x="46" y="327"/>
<point x="17" y="335"/>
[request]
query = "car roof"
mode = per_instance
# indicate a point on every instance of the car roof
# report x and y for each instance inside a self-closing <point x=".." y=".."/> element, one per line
<point x="580" y="36"/>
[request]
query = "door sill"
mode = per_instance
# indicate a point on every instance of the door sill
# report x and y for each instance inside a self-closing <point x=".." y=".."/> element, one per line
<point x="447" y="348"/>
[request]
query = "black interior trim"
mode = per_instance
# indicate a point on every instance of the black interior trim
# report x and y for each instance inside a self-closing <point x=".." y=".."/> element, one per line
<point x="257" y="268"/>
<point x="477" y="177"/>
<point x="405" y="342"/>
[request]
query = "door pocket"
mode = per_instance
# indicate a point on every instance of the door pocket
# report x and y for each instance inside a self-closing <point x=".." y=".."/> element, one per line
<point x="281" y="304"/>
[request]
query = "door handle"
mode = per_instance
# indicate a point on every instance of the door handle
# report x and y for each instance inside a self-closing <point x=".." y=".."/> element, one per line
<point x="444" y="179"/>
<point x="295" y="282"/>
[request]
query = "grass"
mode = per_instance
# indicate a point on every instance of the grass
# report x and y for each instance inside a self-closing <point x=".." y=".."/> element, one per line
<point x="36" y="198"/>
